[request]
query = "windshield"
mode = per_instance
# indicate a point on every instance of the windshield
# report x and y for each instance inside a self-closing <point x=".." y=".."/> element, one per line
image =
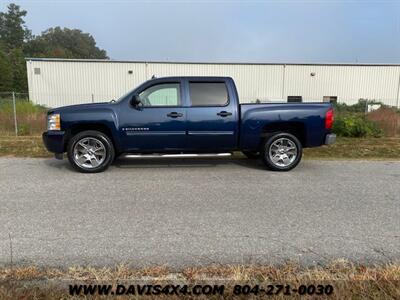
<point x="124" y="96"/>
<point x="129" y="94"/>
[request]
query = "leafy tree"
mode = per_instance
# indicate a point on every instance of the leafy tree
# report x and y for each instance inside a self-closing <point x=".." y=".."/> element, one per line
<point x="17" y="42"/>
<point x="19" y="79"/>
<point x="6" y="78"/>
<point x="13" y="32"/>
<point x="64" y="43"/>
<point x="13" y="35"/>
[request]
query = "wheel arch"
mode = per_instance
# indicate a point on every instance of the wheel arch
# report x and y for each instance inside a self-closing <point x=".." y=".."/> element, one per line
<point x="75" y="129"/>
<point x="297" y="129"/>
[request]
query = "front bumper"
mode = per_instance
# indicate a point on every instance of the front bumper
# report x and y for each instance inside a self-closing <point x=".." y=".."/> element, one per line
<point x="330" y="138"/>
<point x="54" y="141"/>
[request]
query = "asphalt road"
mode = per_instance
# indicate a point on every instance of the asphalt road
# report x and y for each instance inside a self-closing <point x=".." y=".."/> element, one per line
<point x="180" y="212"/>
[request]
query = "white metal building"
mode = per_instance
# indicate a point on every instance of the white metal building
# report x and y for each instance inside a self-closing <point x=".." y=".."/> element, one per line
<point x="58" y="82"/>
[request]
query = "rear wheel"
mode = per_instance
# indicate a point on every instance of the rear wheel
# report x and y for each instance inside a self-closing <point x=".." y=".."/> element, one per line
<point x="251" y="154"/>
<point x="282" y="152"/>
<point x="90" y="151"/>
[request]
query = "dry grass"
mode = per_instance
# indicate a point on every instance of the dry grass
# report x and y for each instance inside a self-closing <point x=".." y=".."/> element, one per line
<point x="29" y="146"/>
<point x="387" y="119"/>
<point x="31" y="118"/>
<point x="349" y="280"/>
<point x="28" y="123"/>
<point x="357" y="148"/>
<point x="345" y="148"/>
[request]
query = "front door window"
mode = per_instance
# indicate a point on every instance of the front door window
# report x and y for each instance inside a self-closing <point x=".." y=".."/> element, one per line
<point x="166" y="94"/>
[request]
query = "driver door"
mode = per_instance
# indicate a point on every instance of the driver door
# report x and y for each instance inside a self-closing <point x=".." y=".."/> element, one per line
<point x="159" y="122"/>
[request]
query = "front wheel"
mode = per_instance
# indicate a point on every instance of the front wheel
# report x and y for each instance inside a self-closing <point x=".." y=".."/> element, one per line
<point x="282" y="152"/>
<point x="90" y="151"/>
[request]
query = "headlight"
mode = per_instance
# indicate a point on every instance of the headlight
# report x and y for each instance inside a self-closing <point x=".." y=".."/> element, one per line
<point x="53" y="122"/>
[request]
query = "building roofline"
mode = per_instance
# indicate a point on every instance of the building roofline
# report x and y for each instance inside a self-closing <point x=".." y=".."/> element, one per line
<point x="208" y="63"/>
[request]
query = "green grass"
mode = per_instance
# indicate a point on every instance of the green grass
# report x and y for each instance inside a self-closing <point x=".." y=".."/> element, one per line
<point x="21" y="105"/>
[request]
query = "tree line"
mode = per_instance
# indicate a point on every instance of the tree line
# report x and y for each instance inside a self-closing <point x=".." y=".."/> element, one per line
<point x="18" y="42"/>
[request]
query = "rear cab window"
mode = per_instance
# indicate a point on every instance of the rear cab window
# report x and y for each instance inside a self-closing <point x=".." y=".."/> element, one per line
<point x="208" y="93"/>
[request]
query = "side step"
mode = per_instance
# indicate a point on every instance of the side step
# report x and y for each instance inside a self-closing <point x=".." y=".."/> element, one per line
<point x="183" y="155"/>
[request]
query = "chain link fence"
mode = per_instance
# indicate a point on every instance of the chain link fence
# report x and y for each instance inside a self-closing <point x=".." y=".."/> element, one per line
<point x="21" y="116"/>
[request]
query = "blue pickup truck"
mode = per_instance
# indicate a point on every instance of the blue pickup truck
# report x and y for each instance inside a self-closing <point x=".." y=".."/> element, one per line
<point x="182" y="115"/>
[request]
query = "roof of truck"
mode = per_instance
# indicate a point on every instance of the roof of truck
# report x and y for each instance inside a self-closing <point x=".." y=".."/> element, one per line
<point x="192" y="77"/>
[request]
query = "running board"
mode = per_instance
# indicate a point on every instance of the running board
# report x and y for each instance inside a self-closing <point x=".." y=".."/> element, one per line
<point x="177" y="155"/>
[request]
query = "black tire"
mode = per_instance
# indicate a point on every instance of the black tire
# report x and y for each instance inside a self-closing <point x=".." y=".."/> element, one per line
<point x="251" y="154"/>
<point x="265" y="153"/>
<point x="103" y="139"/>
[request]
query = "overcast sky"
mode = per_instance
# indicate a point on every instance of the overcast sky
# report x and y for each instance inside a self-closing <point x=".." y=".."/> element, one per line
<point x="230" y="31"/>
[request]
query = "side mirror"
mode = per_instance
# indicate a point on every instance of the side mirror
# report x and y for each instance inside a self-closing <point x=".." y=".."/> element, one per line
<point x="135" y="101"/>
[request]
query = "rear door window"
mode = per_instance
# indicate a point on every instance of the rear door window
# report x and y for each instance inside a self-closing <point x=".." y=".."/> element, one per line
<point x="208" y="93"/>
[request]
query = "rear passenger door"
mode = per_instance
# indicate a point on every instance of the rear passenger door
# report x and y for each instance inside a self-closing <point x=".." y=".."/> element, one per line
<point x="211" y="116"/>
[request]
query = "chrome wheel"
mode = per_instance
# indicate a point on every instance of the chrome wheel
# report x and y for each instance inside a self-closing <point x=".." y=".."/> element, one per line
<point x="89" y="153"/>
<point x="282" y="152"/>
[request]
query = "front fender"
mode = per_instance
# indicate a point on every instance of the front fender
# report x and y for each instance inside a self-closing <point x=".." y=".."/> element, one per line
<point x="104" y="120"/>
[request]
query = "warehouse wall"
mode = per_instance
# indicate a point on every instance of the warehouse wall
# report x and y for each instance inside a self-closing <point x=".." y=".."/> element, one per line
<point x="348" y="83"/>
<point x="252" y="81"/>
<point x="64" y="82"/>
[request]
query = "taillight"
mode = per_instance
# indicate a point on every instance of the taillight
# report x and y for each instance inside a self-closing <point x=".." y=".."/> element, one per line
<point x="329" y="119"/>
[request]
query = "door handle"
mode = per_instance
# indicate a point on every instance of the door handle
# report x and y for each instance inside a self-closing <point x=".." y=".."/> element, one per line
<point x="174" y="114"/>
<point x="224" y="113"/>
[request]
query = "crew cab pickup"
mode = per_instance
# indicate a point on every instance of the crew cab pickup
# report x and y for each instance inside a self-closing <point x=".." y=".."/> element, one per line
<point x="183" y="115"/>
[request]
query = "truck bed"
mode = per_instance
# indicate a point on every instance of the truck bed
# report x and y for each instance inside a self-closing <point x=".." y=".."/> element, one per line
<point x="306" y="117"/>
